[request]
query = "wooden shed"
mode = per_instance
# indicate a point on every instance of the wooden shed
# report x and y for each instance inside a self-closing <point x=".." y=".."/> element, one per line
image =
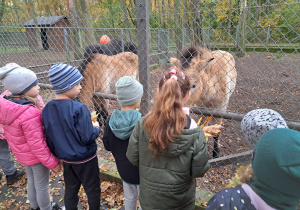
<point x="51" y="33"/>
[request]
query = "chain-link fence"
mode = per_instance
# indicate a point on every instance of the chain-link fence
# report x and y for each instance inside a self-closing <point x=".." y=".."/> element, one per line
<point x="262" y="36"/>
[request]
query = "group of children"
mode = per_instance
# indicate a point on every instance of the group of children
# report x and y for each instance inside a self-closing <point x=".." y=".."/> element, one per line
<point x="158" y="155"/>
<point x="61" y="134"/>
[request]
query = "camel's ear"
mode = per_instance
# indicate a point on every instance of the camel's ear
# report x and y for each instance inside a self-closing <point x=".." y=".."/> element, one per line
<point x="174" y="62"/>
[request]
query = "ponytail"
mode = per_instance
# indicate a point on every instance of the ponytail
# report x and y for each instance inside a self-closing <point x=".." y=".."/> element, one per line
<point x="29" y="99"/>
<point x="166" y="119"/>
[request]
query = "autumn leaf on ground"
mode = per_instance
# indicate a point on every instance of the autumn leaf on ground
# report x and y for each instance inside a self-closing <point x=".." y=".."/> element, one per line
<point x="103" y="168"/>
<point x="112" y="193"/>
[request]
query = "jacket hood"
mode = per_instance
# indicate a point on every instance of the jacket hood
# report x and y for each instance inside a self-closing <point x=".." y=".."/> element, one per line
<point x="123" y="122"/>
<point x="182" y="144"/>
<point x="9" y="110"/>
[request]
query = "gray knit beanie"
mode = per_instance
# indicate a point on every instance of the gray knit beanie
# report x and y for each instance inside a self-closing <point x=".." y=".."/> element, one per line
<point x="17" y="79"/>
<point x="63" y="77"/>
<point x="129" y="91"/>
<point x="256" y="122"/>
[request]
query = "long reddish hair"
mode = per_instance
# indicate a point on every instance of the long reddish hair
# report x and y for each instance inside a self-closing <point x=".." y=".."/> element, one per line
<point x="166" y="118"/>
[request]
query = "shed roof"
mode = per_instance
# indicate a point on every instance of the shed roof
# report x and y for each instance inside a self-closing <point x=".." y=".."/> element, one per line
<point x="44" y="21"/>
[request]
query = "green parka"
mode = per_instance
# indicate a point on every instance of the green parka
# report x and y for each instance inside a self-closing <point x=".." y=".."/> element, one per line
<point x="168" y="181"/>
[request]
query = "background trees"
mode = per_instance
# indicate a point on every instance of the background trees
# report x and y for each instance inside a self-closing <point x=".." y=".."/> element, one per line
<point x="199" y="17"/>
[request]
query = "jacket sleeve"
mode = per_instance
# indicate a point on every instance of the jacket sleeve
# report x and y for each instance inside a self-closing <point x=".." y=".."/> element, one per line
<point x="133" y="146"/>
<point x="105" y="136"/>
<point x="33" y="129"/>
<point x="83" y="124"/>
<point x="200" y="164"/>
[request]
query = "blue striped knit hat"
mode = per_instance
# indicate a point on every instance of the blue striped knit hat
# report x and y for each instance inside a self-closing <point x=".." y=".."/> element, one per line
<point x="63" y="77"/>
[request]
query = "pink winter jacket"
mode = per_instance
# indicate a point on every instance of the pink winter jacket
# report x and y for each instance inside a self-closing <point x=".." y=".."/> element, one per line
<point x="24" y="132"/>
<point x="39" y="101"/>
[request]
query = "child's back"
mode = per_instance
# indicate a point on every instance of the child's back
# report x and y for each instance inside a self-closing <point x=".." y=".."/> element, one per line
<point x="23" y="129"/>
<point x="115" y="139"/>
<point x="117" y="132"/>
<point x="71" y="136"/>
<point x="168" y="149"/>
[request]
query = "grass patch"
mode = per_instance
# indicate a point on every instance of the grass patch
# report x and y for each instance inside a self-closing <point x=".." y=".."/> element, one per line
<point x="10" y="50"/>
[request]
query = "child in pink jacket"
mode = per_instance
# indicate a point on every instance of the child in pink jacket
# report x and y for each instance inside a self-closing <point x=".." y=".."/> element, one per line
<point x="6" y="161"/>
<point x="21" y="118"/>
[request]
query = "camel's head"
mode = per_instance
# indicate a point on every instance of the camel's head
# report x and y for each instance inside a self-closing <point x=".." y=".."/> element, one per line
<point x="193" y="62"/>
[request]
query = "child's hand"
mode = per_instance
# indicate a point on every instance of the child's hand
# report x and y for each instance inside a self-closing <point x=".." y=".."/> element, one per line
<point x="96" y="124"/>
<point x="57" y="168"/>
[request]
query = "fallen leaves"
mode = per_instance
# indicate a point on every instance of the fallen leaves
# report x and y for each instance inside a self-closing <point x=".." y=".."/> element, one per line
<point x="112" y="193"/>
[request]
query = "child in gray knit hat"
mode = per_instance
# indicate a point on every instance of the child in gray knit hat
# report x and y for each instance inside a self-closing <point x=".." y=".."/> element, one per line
<point x="24" y="132"/>
<point x="117" y="132"/>
<point x="256" y="122"/>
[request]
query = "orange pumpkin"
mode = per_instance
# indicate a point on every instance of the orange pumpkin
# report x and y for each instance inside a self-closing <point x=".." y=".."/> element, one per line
<point x="104" y="39"/>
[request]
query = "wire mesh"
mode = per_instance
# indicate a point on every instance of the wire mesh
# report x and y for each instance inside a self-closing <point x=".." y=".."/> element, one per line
<point x="262" y="36"/>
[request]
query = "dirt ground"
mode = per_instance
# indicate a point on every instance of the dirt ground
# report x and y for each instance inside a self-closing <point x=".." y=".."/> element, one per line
<point x="265" y="80"/>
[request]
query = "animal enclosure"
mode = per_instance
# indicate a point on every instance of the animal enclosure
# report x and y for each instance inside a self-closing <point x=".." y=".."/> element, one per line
<point x="262" y="38"/>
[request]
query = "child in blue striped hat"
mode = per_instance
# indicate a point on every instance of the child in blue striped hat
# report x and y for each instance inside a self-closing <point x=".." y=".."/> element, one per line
<point x="71" y="136"/>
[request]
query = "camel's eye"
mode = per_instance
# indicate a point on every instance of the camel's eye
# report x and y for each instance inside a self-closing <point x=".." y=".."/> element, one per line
<point x="194" y="85"/>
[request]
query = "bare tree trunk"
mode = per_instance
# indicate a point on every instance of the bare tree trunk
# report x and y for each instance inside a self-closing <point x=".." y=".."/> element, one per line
<point x="185" y="12"/>
<point x="196" y="22"/>
<point x="37" y="30"/>
<point x="163" y="12"/>
<point x="73" y="8"/>
<point x="86" y="22"/>
<point x="229" y="21"/>
<point x="126" y="20"/>
<point x="2" y="10"/>
<point x="257" y="11"/>
<point x="249" y="16"/>
<point x="241" y="46"/>
<point x="178" y="26"/>
<point x="17" y="12"/>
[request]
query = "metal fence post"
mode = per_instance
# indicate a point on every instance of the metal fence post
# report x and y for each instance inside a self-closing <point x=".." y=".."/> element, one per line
<point x="236" y="36"/>
<point x="122" y="39"/>
<point x="67" y="45"/>
<point x="144" y="51"/>
<point x="183" y="37"/>
<point x="208" y="36"/>
<point x="163" y="46"/>
<point x="268" y="36"/>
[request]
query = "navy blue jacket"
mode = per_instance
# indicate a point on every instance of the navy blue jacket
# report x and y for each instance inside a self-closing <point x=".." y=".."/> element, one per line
<point x="69" y="130"/>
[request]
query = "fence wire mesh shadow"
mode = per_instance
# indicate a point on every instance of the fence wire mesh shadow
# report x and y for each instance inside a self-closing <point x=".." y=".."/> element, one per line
<point x="262" y="37"/>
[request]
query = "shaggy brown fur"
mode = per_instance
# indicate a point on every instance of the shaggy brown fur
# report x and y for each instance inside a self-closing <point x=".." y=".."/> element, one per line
<point x="101" y="74"/>
<point x="213" y="76"/>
